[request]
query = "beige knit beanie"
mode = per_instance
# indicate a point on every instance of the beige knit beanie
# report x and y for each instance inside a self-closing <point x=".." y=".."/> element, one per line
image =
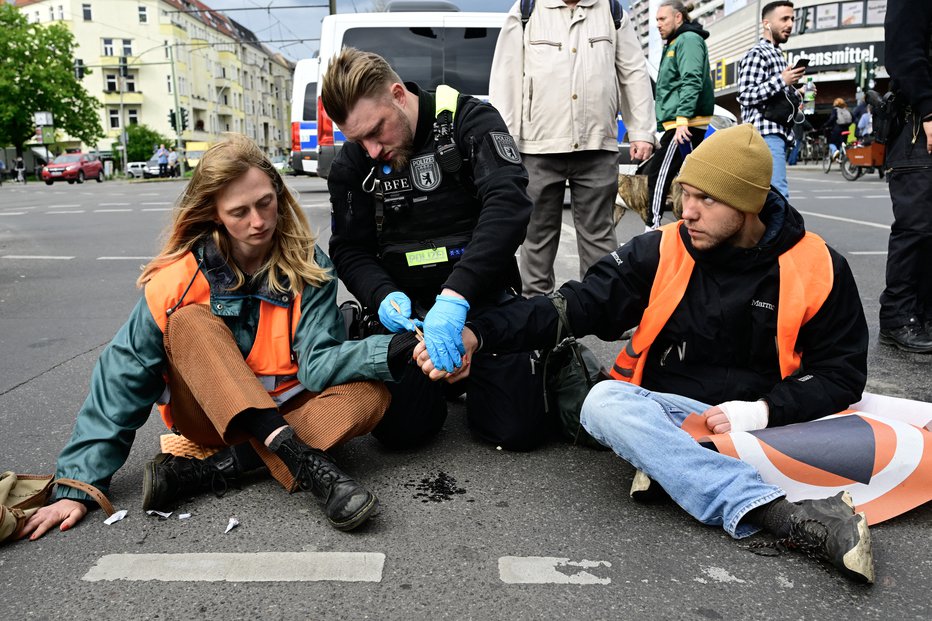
<point x="733" y="166"/>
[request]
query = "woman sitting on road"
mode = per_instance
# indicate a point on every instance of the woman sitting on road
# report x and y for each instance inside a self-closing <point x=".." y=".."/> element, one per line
<point x="238" y="338"/>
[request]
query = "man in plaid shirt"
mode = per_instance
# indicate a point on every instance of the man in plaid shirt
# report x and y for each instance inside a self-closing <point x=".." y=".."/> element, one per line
<point x="762" y="74"/>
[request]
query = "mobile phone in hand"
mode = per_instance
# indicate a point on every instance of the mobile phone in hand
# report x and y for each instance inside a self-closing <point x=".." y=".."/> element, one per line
<point x="801" y="63"/>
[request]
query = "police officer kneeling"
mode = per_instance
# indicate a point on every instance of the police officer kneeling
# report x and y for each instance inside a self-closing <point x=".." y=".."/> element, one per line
<point x="429" y="206"/>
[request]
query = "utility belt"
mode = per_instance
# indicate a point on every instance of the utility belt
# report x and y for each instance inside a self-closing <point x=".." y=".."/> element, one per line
<point x="423" y="265"/>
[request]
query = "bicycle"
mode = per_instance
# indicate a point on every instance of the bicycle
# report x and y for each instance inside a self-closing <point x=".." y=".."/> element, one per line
<point x="842" y="151"/>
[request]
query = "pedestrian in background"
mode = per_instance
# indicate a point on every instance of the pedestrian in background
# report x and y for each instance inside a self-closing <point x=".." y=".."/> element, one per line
<point x="685" y="99"/>
<point x="800" y="130"/>
<point x="162" y="155"/>
<point x="559" y="82"/>
<point x="906" y="302"/>
<point x="764" y="77"/>
<point x="838" y="122"/>
<point x="172" y="162"/>
<point x="20" y="168"/>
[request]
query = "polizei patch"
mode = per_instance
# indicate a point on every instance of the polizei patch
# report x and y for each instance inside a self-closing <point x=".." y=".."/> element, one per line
<point x="425" y="172"/>
<point x="505" y="147"/>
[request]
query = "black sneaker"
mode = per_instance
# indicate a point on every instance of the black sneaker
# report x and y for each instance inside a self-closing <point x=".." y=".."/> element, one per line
<point x="347" y="503"/>
<point x="912" y="337"/>
<point x="168" y="479"/>
<point x="829" y="529"/>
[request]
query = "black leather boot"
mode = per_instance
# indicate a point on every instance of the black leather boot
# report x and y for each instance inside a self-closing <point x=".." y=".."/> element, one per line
<point x="347" y="504"/>
<point x="912" y="337"/>
<point x="168" y="479"/>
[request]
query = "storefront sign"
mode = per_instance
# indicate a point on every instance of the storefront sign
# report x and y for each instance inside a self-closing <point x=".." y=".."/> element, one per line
<point x="838" y="57"/>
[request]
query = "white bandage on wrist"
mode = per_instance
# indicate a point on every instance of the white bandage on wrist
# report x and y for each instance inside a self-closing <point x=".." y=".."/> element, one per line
<point x="746" y="415"/>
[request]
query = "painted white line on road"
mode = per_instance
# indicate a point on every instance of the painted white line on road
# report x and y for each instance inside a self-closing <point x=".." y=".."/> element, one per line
<point x="111" y="210"/>
<point x="849" y="220"/>
<point x="62" y="206"/>
<point x="13" y="213"/>
<point x="230" y="567"/>
<point x="55" y="213"/>
<point x="156" y="209"/>
<point x="876" y="196"/>
<point x="125" y="258"/>
<point x="113" y="204"/>
<point x="40" y="257"/>
<point x="548" y="570"/>
<point x="868" y="252"/>
<point x="162" y="203"/>
<point x="828" y="198"/>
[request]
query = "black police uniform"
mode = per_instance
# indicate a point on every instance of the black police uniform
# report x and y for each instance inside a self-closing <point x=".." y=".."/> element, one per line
<point x="421" y="229"/>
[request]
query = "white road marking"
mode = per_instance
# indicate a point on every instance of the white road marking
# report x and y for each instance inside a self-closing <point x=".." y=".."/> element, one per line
<point x="13" y="213"/>
<point x="55" y="213"/>
<point x="241" y="567"/>
<point x="849" y="220"/>
<point x="62" y="206"/>
<point x="111" y="210"/>
<point x="161" y="203"/>
<point x="868" y="252"/>
<point x="826" y="198"/>
<point x="125" y="258"/>
<point x="41" y="257"/>
<point x="544" y="570"/>
<point x="155" y="209"/>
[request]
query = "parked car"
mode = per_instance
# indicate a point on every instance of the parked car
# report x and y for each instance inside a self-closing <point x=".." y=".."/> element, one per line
<point x="136" y="170"/>
<point x="281" y="164"/>
<point x="73" y="167"/>
<point x="151" y="169"/>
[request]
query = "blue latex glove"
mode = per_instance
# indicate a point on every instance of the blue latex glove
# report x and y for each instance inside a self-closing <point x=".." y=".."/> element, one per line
<point x="393" y="320"/>
<point x="443" y="332"/>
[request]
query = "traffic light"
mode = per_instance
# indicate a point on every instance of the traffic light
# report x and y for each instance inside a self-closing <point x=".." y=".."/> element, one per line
<point x="124" y="69"/>
<point x="184" y="119"/>
<point x="172" y="120"/>
<point x="78" y="69"/>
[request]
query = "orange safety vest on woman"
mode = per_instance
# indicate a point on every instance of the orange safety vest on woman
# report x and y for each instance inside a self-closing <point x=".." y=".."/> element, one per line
<point x="806" y="279"/>
<point x="271" y="358"/>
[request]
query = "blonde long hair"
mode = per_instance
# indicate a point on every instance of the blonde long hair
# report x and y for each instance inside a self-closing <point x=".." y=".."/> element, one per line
<point x="291" y="258"/>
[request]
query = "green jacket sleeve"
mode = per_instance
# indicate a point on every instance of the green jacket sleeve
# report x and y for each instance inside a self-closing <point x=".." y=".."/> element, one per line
<point x="127" y="380"/>
<point x="693" y="64"/>
<point x="325" y="357"/>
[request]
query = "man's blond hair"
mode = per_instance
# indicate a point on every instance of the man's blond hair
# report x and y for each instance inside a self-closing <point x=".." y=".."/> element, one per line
<point x="353" y="75"/>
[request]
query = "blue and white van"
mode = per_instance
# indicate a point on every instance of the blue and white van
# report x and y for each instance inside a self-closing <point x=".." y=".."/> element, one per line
<point x="304" y="117"/>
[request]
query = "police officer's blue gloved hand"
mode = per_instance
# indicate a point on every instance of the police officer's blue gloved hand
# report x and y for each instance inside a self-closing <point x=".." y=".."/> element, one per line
<point x="397" y="320"/>
<point x="443" y="332"/>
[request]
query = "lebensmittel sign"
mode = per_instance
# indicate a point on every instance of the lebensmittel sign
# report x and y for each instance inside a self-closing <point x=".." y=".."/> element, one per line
<point x="838" y="57"/>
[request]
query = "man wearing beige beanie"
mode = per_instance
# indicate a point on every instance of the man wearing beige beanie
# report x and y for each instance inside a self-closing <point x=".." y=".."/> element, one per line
<point x="712" y="295"/>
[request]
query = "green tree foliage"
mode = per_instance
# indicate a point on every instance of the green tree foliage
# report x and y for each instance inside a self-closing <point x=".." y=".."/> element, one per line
<point x="139" y="142"/>
<point x="37" y="74"/>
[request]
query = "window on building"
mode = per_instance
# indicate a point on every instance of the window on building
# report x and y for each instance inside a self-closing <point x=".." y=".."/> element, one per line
<point x="114" y="118"/>
<point x="130" y="82"/>
<point x="110" y="82"/>
<point x="51" y="14"/>
<point x="133" y="116"/>
<point x="167" y="52"/>
<point x="168" y="80"/>
<point x="127" y="47"/>
<point x="108" y="47"/>
<point x="143" y="14"/>
<point x="61" y="12"/>
<point x="86" y="10"/>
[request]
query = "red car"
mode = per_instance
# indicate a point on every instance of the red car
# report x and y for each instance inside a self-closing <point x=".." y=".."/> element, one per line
<point x="73" y="167"/>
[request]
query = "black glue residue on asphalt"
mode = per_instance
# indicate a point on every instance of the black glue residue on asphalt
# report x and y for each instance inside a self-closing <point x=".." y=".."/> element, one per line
<point x="437" y="489"/>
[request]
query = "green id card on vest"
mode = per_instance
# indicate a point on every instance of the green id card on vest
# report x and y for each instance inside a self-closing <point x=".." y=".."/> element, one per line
<point x="426" y="257"/>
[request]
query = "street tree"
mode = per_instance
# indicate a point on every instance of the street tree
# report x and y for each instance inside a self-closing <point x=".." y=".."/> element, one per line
<point x="140" y="140"/>
<point x="37" y="74"/>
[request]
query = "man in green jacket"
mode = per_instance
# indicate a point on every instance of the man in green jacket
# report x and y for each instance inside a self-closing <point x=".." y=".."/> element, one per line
<point x="684" y="103"/>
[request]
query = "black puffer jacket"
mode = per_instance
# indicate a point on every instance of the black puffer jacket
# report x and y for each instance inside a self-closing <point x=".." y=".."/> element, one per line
<point x="719" y="345"/>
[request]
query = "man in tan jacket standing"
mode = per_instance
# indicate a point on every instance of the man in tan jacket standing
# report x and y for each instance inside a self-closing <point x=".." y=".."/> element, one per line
<point x="580" y="64"/>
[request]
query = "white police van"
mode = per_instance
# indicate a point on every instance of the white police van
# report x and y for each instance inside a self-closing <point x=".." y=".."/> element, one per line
<point x="430" y="48"/>
<point x="304" y="117"/>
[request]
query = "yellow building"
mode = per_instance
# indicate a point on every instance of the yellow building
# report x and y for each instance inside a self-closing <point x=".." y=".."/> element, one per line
<point x="178" y="54"/>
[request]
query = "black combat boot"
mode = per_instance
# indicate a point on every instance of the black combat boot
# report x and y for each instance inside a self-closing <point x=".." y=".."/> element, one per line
<point x="827" y="529"/>
<point x="169" y="479"/>
<point x="346" y="503"/>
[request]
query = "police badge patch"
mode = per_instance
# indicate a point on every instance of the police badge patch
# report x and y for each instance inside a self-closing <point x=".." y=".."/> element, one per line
<point x="505" y="147"/>
<point x="425" y="172"/>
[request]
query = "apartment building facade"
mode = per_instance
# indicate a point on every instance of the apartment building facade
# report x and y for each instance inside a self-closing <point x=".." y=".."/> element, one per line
<point x="842" y="38"/>
<point x="150" y="57"/>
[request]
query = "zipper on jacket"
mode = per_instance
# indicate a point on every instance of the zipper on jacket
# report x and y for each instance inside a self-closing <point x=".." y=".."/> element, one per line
<point x="555" y="44"/>
<point x="594" y="40"/>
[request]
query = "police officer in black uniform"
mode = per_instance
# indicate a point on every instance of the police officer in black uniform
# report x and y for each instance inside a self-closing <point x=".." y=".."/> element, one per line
<point x="430" y="203"/>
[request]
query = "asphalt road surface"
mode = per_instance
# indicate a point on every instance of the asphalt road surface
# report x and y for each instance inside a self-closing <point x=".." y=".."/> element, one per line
<point x="466" y="531"/>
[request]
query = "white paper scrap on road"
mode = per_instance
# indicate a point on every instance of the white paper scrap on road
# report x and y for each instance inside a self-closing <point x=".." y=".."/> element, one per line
<point x="241" y="567"/>
<point x="549" y="570"/>
<point x="159" y="513"/>
<point x="183" y="516"/>
<point x="233" y="523"/>
<point x="116" y="517"/>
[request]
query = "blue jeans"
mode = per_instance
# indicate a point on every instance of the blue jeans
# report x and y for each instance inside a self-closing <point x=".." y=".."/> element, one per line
<point x="643" y="427"/>
<point x="778" y="148"/>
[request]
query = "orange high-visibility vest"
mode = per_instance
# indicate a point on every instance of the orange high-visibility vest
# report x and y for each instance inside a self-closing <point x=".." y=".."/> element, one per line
<point x="806" y="279"/>
<point x="270" y="358"/>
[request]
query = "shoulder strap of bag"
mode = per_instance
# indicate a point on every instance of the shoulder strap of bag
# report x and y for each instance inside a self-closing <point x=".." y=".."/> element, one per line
<point x="563" y="326"/>
<point x="527" y="7"/>
<point x="90" y="490"/>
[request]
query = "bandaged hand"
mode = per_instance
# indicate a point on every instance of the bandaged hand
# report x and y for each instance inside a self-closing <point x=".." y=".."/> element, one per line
<point x="397" y="320"/>
<point x="443" y="327"/>
<point x="740" y="415"/>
